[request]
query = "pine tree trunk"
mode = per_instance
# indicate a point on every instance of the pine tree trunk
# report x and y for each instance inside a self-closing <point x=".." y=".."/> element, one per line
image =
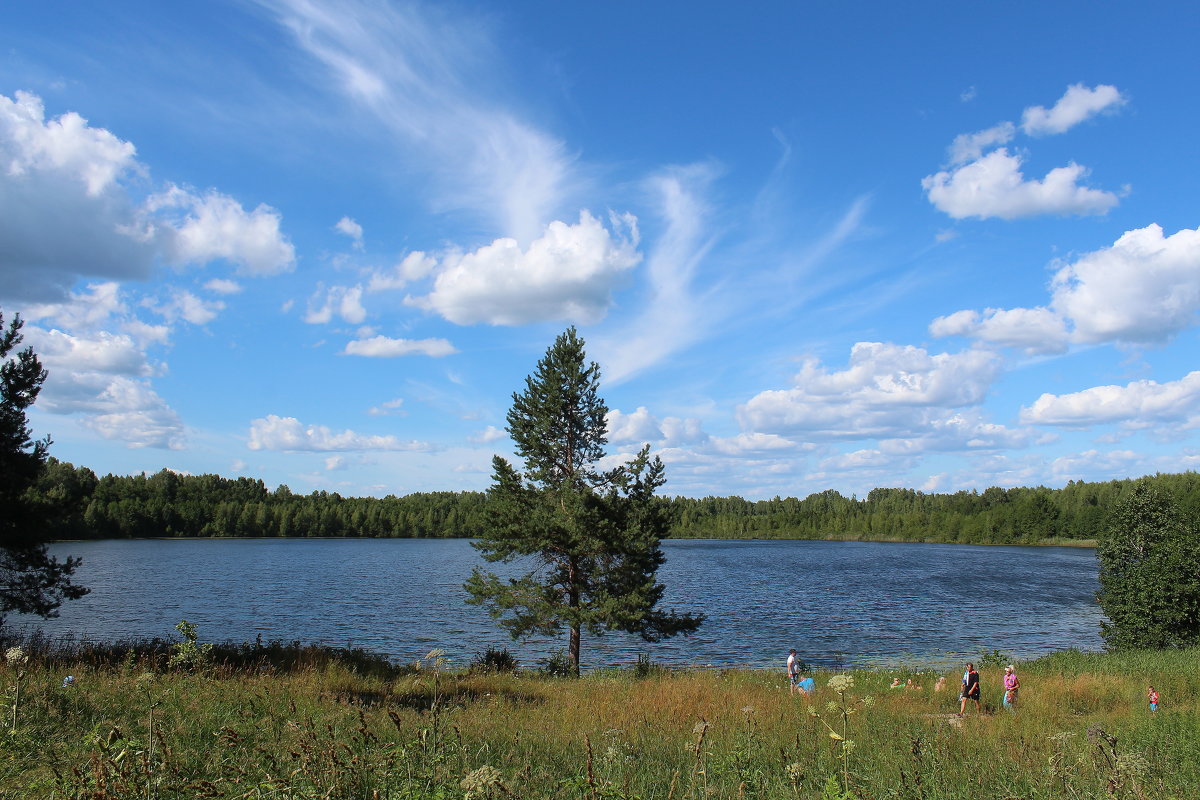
<point x="573" y="649"/>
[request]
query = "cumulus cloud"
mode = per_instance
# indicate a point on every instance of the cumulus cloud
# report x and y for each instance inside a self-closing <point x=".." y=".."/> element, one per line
<point x="412" y="267"/>
<point x="223" y="286"/>
<point x="994" y="186"/>
<point x="1141" y="404"/>
<point x="488" y="435"/>
<point x="383" y="347"/>
<point x="567" y="274"/>
<point x="184" y="305"/>
<point x="70" y="207"/>
<point x="343" y="301"/>
<point x="101" y="352"/>
<point x="202" y="227"/>
<point x="99" y="375"/>
<point x="288" y="434"/>
<point x="985" y="180"/>
<point x="970" y="146"/>
<point x="1145" y="289"/>
<point x="886" y="391"/>
<point x="639" y="426"/>
<point x="349" y="227"/>
<point x="1078" y="104"/>
<point x="1033" y="330"/>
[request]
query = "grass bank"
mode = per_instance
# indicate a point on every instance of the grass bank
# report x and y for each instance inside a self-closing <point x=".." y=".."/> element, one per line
<point x="258" y="725"/>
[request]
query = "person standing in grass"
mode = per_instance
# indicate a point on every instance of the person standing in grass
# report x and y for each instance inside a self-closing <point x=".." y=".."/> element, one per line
<point x="1011" y="686"/>
<point x="1153" y="697"/>
<point x="970" y="690"/>
<point x="793" y="671"/>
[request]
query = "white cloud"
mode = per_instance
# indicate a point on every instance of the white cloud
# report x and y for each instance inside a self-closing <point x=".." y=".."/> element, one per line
<point x="886" y="391"/>
<point x="423" y="74"/>
<point x="1033" y="330"/>
<point x="383" y="347"/>
<point x="1141" y="404"/>
<point x="62" y="212"/>
<point x="102" y="352"/>
<point x="350" y="228"/>
<point x="289" y="435"/>
<point x="389" y="408"/>
<point x="1145" y="288"/>
<point x="201" y="228"/>
<point x="1076" y="105"/>
<point x="673" y="318"/>
<point x="115" y="407"/>
<point x="567" y="274"/>
<point x="488" y="435"/>
<point x="1096" y="465"/>
<point x="412" y="267"/>
<point x="70" y="206"/>
<point x="67" y="145"/>
<point x="970" y="146"/>
<point x="333" y="463"/>
<point x="186" y="306"/>
<point x="223" y="286"/>
<point x="993" y="186"/>
<point x="344" y="301"/>
<point x="751" y="442"/>
<point x="640" y="426"/>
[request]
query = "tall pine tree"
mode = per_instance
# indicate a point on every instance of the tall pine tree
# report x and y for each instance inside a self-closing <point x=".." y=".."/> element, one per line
<point x="586" y="542"/>
<point x="31" y="580"/>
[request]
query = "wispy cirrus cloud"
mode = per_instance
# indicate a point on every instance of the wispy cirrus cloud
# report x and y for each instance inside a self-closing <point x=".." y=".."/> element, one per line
<point x="423" y="75"/>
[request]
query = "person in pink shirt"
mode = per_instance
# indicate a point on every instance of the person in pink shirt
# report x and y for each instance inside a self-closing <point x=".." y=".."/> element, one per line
<point x="1011" y="686"/>
<point x="1152" y="696"/>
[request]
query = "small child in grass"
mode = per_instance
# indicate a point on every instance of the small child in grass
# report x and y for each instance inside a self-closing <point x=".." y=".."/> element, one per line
<point x="1153" y="697"/>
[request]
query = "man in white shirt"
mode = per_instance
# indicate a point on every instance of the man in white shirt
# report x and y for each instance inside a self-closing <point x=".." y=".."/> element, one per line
<point x="793" y="671"/>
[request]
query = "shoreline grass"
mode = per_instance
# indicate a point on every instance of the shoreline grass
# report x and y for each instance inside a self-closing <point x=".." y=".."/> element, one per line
<point x="335" y="724"/>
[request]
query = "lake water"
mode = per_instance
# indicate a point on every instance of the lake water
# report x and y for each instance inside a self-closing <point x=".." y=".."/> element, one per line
<point x="837" y="603"/>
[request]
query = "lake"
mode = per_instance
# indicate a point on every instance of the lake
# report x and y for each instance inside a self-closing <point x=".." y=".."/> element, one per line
<point x="837" y="603"/>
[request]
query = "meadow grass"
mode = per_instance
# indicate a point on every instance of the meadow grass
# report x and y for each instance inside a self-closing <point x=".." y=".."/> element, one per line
<point x="348" y="728"/>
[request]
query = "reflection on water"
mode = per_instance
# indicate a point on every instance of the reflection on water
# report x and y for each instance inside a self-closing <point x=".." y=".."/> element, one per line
<point x="838" y="603"/>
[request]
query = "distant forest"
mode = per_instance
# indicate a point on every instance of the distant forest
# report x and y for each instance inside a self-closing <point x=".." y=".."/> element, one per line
<point x="166" y="504"/>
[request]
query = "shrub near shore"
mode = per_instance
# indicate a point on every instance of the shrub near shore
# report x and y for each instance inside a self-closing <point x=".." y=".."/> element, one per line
<point x="334" y="727"/>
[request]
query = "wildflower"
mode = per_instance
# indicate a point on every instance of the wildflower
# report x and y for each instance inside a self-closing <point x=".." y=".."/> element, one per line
<point x="868" y="701"/>
<point x="747" y="710"/>
<point x="795" y="772"/>
<point x="15" y="656"/>
<point x="841" y="683"/>
<point x="832" y="707"/>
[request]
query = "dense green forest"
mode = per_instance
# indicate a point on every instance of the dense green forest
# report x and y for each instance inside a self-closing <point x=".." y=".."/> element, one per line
<point x="83" y="506"/>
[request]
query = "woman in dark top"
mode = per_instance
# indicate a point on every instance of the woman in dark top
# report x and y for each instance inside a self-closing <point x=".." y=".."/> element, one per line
<point x="970" y="689"/>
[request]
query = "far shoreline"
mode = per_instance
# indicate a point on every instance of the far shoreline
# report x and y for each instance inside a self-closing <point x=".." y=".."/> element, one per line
<point x="1083" y="544"/>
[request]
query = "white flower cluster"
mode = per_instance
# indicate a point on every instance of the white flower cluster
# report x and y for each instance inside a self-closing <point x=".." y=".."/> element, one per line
<point x="15" y="656"/>
<point x="841" y="683"/>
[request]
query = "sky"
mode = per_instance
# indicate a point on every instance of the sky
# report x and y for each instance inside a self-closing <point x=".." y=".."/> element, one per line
<point x="941" y="246"/>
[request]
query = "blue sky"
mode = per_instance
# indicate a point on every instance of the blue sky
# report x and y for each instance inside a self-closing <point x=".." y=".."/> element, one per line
<point x="811" y="246"/>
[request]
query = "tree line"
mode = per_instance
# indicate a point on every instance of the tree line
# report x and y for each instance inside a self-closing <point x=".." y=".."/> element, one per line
<point x="80" y="505"/>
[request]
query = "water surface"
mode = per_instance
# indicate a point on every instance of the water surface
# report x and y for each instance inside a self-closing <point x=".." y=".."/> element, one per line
<point x="838" y="603"/>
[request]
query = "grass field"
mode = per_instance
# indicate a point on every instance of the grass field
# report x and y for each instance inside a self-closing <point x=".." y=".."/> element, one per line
<point x="307" y="723"/>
